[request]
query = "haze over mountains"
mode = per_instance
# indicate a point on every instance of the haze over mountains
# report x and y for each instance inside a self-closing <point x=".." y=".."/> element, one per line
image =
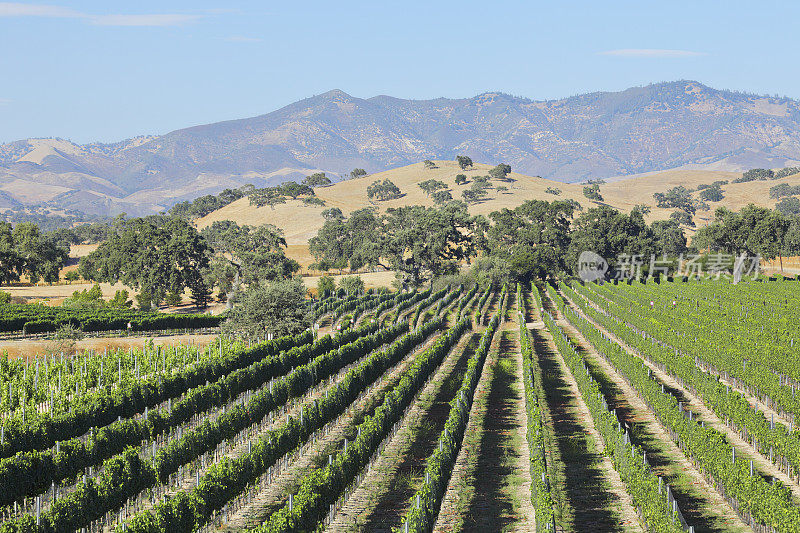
<point x="598" y="135"/>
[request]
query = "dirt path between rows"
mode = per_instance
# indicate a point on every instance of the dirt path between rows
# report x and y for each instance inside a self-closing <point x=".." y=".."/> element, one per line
<point x="701" y="505"/>
<point x="380" y="501"/>
<point x="583" y="479"/>
<point x="692" y="401"/>
<point x="490" y="488"/>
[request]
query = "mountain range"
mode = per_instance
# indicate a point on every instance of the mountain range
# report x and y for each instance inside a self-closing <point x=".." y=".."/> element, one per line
<point x="681" y="124"/>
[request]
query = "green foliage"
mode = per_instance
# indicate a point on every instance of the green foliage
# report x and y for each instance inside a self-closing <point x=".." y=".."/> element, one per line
<point x="352" y="285"/>
<point x="313" y="200"/>
<point x="789" y="206"/>
<point x="784" y="189"/>
<point x="318" y="179"/>
<point x="500" y="172"/>
<point x="383" y="190"/>
<point x="429" y="164"/>
<point x="713" y="193"/>
<point x="592" y="192"/>
<point x="24" y="250"/>
<point x="155" y="255"/>
<point x="753" y="230"/>
<point x="464" y="162"/>
<point x="204" y="205"/>
<point x="72" y="275"/>
<point x="279" y="308"/>
<point x="270" y="196"/>
<point x="682" y="217"/>
<point x="553" y="191"/>
<point x="461" y="179"/>
<point x="5" y="297"/>
<point x="357" y="173"/>
<point x="533" y="238"/>
<point x="326" y="286"/>
<point x="245" y="255"/>
<point x="173" y="299"/>
<point x="145" y="301"/>
<point x="441" y="197"/>
<point x="755" y="174"/>
<point x="431" y="186"/>
<point x="120" y="300"/>
<point x="85" y="299"/>
<point x="332" y="213"/>
<point x="677" y="197"/>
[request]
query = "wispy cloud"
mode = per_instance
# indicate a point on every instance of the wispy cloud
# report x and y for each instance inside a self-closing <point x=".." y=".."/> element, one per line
<point x="14" y="9"/>
<point x="144" y="20"/>
<point x="243" y="39"/>
<point x="651" y="52"/>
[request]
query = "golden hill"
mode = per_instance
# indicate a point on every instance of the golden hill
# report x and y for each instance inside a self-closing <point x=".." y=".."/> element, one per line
<point x="300" y="222"/>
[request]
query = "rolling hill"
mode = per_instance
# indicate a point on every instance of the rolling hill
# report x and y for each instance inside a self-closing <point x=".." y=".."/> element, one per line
<point x="299" y="222"/>
<point x="675" y="125"/>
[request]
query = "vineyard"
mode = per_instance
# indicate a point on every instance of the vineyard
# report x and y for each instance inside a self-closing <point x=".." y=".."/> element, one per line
<point x="663" y="407"/>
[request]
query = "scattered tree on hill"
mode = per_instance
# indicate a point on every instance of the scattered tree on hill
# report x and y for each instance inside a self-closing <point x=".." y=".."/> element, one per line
<point x="85" y="299"/>
<point x="784" y="189"/>
<point x="789" y="206"/>
<point x="431" y="186"/>
<point x="383" y="190"/>
<point x="755" y="174"/>
<point x="500" y="171"/>
<point x="429" y="164"/>
<point x="461" y="178"/>
<point x="441" y="197"/>
<point x="644" y="209"/>
<point x="682" y="217"/>
<point x="332" y="213"/>
<point x="474" y="194"/>
<point x="313" y="201"/>
<point x="270" y="196"/>
<point x="209" y="203"/>
<point x="357" y="173"/>
<point x="71" y="276"/>
<point x="294" y="189"/>
<point x="552" y="190"/>
<point x="318" y="179"/>
<point x="464" y="162"/>
<point x="279" y="308"/>
<point x="784" y="172"/>
<point x="712" y="194"/>
<point x="592" y="192"/>
<point x="501" y="189"/>
<point x="677" y="197"/>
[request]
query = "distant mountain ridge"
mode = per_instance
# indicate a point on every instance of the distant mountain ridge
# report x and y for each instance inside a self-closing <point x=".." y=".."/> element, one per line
<point x="598" y="135"/>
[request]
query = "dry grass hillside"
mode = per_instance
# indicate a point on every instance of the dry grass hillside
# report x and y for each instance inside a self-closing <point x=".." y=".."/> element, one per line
<point x="300" y="222"/>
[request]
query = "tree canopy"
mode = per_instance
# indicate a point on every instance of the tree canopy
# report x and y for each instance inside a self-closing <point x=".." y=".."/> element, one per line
<point x="154" y="254"/>
<point x="464" y="162"/>
<point x="383" y="190"/>
<point x="318" y="179"/>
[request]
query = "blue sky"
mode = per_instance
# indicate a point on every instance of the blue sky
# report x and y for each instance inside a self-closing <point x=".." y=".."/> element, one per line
<point x="105" y="71"/>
